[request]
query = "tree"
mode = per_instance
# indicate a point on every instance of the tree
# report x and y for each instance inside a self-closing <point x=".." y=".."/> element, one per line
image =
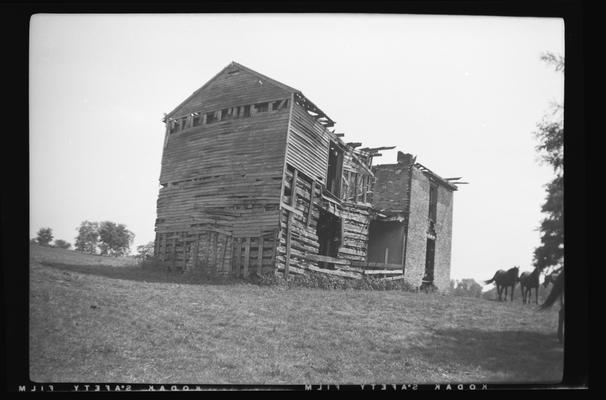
<point x="466" y="287"/>
<point x="145" y="251"/>
<point x="45" y="236"/>
<point x="88" y="235"/>
<point x="62" y="244"/>
<point x="550" y="135"/>
<point x="114" y="239"/>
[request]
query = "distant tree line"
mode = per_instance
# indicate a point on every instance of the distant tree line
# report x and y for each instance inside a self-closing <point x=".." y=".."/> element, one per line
<point x="109" y="238"/>
<point x="466" y="288"/>
<point x="45" y="237"/>
<point x="105" y="238"/>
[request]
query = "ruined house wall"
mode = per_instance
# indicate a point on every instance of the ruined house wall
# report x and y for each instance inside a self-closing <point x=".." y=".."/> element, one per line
<point x="443" y="238"/>
<point x="416" y="240"/>
<point x="390" y="188"/>
<point x="418" y="232"/>
<point x="221" y="180"/>
<point x="307" y="153"/>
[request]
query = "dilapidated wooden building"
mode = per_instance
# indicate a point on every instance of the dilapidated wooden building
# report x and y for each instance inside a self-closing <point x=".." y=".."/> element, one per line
<point x="254" y="180"/>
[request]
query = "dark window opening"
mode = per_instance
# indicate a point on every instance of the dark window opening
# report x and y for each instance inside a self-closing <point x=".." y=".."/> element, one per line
<point x="246" y="111"/>
<point x="196" y="119"/>
<point x="211" y="117"/>
<point x="433" y="202"/>
<point x="329" y="234"/>
<point x="183" y="123"/>
<point x="429" y="261"/>
<point x="335" y="168"/>
<point x="173" y="126"/>
<point x="226" y="114"/>
<point x="262" y="107"/>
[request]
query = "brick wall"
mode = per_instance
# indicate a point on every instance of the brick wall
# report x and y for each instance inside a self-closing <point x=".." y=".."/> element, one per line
<point x="391" y="185"/>
<point x="443" y="239"/>
<point x="416" y="245"/>
<point x="416" y="241"/>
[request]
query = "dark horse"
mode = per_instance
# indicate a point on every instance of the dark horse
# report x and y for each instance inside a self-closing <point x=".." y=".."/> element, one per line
<point x="550" y="278"/>
<point x="505" y="279"/>
<point x="529" y="281"/>
<point x="557" y="292"/>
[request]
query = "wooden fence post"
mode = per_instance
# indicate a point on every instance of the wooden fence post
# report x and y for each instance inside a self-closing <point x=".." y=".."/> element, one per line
<point x="260" y="257"/>
<point x="246" y="257"/>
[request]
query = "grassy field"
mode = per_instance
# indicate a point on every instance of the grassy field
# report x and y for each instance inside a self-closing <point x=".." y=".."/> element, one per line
<point x="101" y="319"/>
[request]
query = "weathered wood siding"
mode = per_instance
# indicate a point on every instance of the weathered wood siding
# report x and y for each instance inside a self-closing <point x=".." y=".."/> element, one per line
<point x="221" y="180"/>
<point x="308" y="145"/>
<point x="307" y="153"/>
<point x="231" y="87"/>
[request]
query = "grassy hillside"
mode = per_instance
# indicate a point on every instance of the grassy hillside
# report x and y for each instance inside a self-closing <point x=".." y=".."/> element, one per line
<point x="100" y="319"/>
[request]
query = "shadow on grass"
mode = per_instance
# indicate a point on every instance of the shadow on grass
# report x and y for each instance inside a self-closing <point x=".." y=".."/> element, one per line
<point x="519" y="355"/>
<point x="139" y="274"/>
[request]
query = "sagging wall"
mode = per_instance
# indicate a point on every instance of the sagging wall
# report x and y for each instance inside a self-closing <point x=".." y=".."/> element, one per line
<point x="221" y="179"/>
<point x="418" y="230"/>
<point x="307" y="154"/>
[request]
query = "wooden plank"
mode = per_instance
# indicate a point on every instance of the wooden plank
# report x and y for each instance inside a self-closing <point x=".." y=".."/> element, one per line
<point x="225" y="251"/>
<point x="237" y="255"/>
<point x="392" y="278"/>
<point x="246" y="257"/>
<point x="173" y="255"/>
<point x="293" y="269"/>
<point x="195" y="257"/>
<point x="184" y="252"/>
<point x="214" y="236"/>
<point x="274" y="248"/>
<point x="311" y="202"/>
<point x="333" y="272"/>
<point x="381" y="271"/>
<point x="260" y="256"/>
<point x="374" y="265"/>
<point x="293" y="189"/>
<point x="288" y="234"/>
<point x="207" y="252"/>
<point x="292" y="210"/>
<point x="327" y="259"/>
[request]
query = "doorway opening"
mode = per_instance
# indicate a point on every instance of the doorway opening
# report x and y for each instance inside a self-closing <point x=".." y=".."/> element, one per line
<point x="385" y="242"/>
<point x="429" y="261"/>
<point x="329" y="234"/>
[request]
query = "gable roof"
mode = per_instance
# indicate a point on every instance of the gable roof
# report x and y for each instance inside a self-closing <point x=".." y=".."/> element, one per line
<point x="235" y="65"/>
<point x="231" y="66"/>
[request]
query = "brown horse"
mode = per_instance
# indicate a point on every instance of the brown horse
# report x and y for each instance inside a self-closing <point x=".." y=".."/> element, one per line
<point x="529" y="281"/>
<point x="557" y="292"/>
<point x="504" y="279"/>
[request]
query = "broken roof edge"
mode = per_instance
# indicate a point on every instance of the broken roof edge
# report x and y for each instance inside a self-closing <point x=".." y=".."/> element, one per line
<point x="425" y="171"/>
<point x="253" y="72"/>
<point x="260" y="76"/>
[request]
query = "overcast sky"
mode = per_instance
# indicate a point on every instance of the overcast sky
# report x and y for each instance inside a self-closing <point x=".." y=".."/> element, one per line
<point x="462" y="93"/>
